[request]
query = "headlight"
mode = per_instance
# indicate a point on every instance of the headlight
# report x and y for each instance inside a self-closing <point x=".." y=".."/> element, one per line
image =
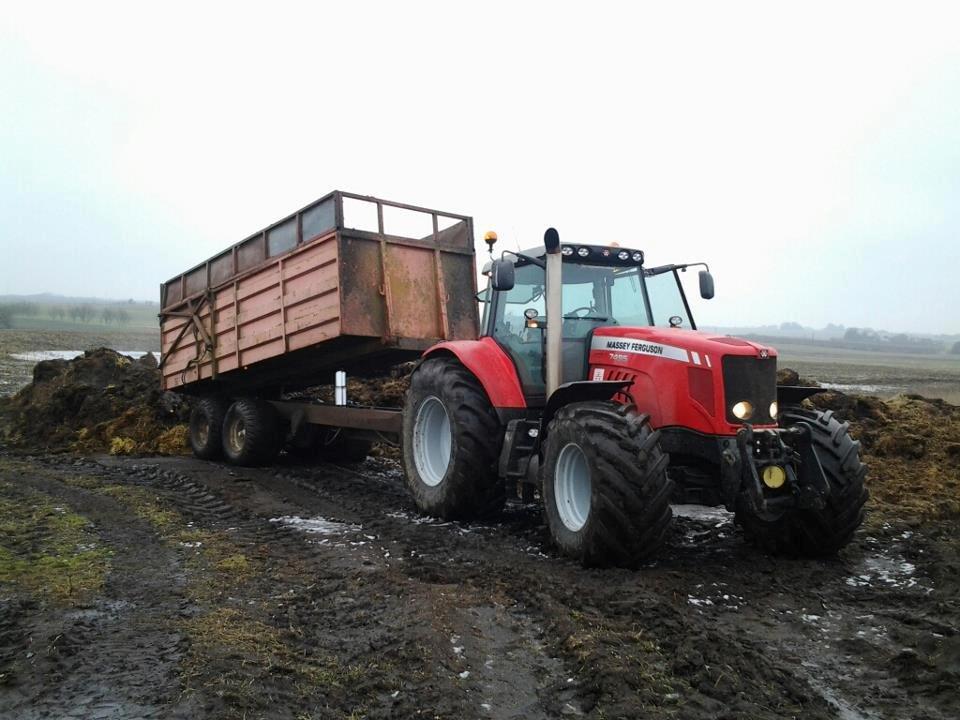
<point x="583" y="252"/>
<point x="743" y="410"/>
<point x="623" y="255"/>
<point x="637" y="256"/>
<point x="567" y="250"/>
<point x="774" y="409"/>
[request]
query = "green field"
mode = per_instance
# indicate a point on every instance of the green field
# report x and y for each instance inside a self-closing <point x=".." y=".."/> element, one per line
<point x="136" y="317"/>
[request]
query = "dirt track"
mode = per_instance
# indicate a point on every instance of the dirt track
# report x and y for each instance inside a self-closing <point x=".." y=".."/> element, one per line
<point x="211" y="605"/>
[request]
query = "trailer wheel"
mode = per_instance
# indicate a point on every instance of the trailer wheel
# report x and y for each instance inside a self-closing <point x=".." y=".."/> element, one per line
<point x="817" y="533"/>
<point x="206" y="423"/>
<point x="251" y="432"/>
<point x="451" y="443"/>
<point x="605" y="485"/>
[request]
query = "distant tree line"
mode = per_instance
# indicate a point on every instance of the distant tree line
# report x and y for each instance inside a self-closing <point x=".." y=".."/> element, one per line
<point x="893" y="341"/>
<point x="88" y="314"/>
<point x="84" y="313"/>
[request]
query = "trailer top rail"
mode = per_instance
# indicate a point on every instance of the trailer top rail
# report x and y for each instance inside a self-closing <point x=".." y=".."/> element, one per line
<point x="352" y="214"/>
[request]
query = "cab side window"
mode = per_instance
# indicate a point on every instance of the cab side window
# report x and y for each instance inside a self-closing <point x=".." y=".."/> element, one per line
<point x="525" y="345"/>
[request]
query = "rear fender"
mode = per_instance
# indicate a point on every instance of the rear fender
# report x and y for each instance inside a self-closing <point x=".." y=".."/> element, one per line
<point x="490" y="365"/>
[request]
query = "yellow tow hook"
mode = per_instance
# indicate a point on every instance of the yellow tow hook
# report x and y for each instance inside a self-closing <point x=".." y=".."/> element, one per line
<point x="774" y="476"/>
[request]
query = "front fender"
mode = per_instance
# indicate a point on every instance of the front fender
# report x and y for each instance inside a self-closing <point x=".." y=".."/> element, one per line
<point x="490" y="365"/>
<point x="580" y="391"/>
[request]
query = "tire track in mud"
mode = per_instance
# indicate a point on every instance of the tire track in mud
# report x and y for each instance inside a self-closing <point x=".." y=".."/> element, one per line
<point x="132" y="672"/>
<point x="405" y="615"/>
<point x="750" y="651"/>
<point x="456" y="559"/>
<point x="480" y="658"/>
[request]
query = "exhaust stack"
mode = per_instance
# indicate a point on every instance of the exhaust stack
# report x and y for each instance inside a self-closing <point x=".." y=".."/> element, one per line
<point x="554" y="351"/>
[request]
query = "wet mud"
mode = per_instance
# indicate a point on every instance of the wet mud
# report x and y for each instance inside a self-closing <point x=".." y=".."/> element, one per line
<point x="147" y="586"/>
<point x="317" y="591"/>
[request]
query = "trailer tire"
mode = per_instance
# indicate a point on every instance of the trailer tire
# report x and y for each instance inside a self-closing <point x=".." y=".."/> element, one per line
<point x="605" y="487"/>
<point x="251" y="432"/>
<point x="451" y="443"/>
<point x="206" y="424"/>
<point x="823" y="532"/>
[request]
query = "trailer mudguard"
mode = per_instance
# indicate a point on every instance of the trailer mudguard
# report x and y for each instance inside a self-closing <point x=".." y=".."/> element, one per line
<point x="490" y="365"/>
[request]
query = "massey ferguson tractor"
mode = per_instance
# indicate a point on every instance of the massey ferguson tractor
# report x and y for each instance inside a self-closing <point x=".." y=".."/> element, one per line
<point x="591" y="383"/>
<point x="586" y="383"/>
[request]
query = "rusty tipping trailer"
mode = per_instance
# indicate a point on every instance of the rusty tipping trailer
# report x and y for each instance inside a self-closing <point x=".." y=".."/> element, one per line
<point x="347" y="282"/>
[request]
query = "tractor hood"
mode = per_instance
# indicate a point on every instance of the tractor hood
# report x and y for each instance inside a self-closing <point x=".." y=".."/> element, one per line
<point x="689" y="378"/>
<point x="689" y="346"/>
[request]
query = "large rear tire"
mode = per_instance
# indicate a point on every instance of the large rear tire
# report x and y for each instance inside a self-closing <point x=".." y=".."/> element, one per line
<point x="817" y="533"/>
<point x="251" y="433"/>
<point x="605" y="485"/>
<point x="206" y="424"/>
<point x="451" y="443"/>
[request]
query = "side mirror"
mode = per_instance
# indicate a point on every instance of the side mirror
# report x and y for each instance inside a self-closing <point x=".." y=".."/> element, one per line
<point x="502" y="274"/>
<point x="706" y="284"/>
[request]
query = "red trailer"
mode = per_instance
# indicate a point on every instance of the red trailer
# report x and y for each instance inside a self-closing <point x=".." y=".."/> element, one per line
<point x="349" y="281"/>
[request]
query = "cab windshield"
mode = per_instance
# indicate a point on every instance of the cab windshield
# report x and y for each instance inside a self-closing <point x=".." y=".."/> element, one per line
<point x="594" y="295"/>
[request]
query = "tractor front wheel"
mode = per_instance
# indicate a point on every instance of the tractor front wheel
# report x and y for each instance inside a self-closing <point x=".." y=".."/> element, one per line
<point x="817" y="532"/>
<point x="605" y="485"/>
<point x="451" y="443"/>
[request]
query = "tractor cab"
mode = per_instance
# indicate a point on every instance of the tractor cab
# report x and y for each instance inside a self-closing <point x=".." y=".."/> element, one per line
<point x="601" y="287"/>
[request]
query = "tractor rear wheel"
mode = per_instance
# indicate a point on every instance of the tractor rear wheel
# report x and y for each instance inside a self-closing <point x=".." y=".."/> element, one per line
<point x="605" y="485"/>
<point x="251" y="432"/>
<point x="451" y="443"/>
<point x="818" y="532"/>
<point x="206" y="423"/>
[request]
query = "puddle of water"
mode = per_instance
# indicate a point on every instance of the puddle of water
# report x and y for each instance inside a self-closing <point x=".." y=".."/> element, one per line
<point x="884" y="569"/>
<point x="714" y="515"/>
<point x="315" y="525"/>
<point x="462" y="528"/>
<point x="40" y="355"/>
<point x="866" y="389"/>
<point x="716" y="595"/>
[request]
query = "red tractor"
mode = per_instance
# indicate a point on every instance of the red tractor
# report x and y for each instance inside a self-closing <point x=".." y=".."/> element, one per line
<point x="591" y="384"/>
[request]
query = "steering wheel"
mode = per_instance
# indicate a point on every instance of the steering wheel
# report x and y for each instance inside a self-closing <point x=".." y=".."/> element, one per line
<point x="574" y="312"/>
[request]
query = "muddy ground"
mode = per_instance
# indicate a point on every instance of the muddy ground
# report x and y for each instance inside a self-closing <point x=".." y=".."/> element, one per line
<point x="140" y="586"/>
<point x="170" y="587"/>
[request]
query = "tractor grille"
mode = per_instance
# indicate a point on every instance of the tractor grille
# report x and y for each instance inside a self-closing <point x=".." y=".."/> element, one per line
<point x="752" y="379"/>
<point x="618" y="374"/>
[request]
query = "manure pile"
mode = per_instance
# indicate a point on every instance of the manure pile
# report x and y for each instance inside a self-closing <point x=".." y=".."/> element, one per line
<point x="99" y="402"/>
<point x="911" y="445"/>
<point x="106" y="402"/>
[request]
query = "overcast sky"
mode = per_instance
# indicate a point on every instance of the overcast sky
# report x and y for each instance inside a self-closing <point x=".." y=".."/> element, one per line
<point x="810" y="154"/>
